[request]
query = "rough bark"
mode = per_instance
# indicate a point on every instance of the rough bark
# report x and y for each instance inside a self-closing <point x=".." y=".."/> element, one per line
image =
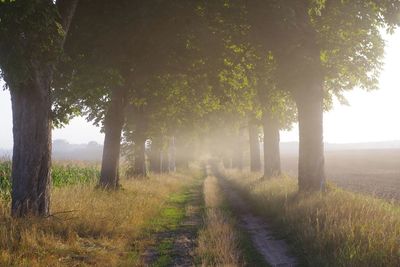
<point x="32" y="149"/>
<point x="255" y="158"/>
<point x="31" y="106"/>
<point x="309" y="99"/>
<point x="272" y="161"/>
<point x="113" y="123"/>
<point x="311" y="146"/>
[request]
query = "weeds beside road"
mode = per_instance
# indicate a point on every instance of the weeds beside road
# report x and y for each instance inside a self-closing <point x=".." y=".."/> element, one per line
<point x="218" y="242"/>
<point x="88" y="226"/>
<point x="336" y="228"/>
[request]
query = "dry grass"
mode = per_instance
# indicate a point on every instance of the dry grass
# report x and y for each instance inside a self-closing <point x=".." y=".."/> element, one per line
<point x="218" y="242"/>
<point x="88" y="226"/>
<point x="338" y="228"/>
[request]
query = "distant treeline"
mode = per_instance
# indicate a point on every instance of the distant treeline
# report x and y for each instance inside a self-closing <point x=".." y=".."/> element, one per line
<point x="63" y="150"/>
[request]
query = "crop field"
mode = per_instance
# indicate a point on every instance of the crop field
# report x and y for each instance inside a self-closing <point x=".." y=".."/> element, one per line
<point x="63" y="173"/>
<point x="375" y="172"/>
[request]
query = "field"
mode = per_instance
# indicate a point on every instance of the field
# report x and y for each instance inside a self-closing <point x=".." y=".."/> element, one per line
<point x="375" y="172"/>
<point x="230" y="219"/>
<point x="63" y="173"/>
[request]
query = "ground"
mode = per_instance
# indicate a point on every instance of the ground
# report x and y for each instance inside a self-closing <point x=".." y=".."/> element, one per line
<point x="215" y="217"/>
<point x="375" y="172"/>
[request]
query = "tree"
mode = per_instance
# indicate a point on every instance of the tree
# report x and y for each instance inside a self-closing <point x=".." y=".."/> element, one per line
<point x="254" y="140"/>
<point x="108" y="69"/>
<point x="276" y="107"/>
<point x="136" y="134"/>
<point x="32" y="36"/>
<point x="113" y="122"/>
<point x="90" y="78"/>
<point x="251" y="87"/>
<point x="321" y="48"/>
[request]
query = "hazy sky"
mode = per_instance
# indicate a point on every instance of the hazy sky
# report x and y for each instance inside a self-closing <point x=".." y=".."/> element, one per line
<point x="371" y="116"/>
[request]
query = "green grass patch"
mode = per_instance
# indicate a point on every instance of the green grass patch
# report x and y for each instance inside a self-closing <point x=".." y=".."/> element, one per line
<point x="160" y="230"/>
<point x="171" y="214"/>
<point x="169" y="220"/>
<point x="164" y="250"/>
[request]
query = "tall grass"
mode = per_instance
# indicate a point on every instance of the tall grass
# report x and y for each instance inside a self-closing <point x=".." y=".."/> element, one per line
<point x="337" y="228"/>
<point x="70" y="174"/>
<point x="88" y="226"/>
<point x="5" y="176"/>
<point x="218" y="242"/>
<point x="63" y="173"/>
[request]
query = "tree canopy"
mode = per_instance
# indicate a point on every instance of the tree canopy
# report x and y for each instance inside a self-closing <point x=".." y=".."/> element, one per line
<point x="186" y="73"/>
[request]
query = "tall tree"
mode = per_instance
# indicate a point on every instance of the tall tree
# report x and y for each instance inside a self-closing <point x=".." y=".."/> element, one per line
<point x="136" y="133"/>
<point x="91" y="79"/>
<point x="113" y="123"/>
<point x="117" y="47"/>
<point x="32" y="36"/>
<point x="254" y="140"/>
<point x="321" y="48"/>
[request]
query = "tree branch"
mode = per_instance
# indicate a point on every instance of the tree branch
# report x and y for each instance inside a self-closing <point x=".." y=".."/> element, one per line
<point x="66" y="8"/>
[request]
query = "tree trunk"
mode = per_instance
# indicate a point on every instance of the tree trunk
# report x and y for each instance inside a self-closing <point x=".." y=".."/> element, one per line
<point x="113" y="123"/>
<point x="237" y="157"/>
<point x="31" y="107"/>
<point x="255" y="158"/>
<point x="155" y="156"/>
<point x="32" y="149"/>
<point x="311" y="145"/>
<point x="155" y="161"/>
<point x="139" y="122"/>
<point x="140" y="169"/>
<point x="272" y="160"/>
<point x="172" y="155"/>
<point x="164" y="161"/>
<point x="182" y="163"/>
<point x="184" y="154"/>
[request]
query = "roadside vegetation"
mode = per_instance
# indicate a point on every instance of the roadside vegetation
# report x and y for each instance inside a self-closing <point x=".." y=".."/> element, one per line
<point x="88" y="226"/>
<point x="336" y="228"/>
<point x="218" y="242"/>
<point x="170" y="238"/>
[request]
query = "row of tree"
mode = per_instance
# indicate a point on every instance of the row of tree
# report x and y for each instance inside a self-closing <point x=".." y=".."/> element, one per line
<point x="183" y="74"/>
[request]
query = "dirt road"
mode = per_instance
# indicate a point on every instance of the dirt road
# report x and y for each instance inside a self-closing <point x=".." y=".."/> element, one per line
<point x="275" y="251"/>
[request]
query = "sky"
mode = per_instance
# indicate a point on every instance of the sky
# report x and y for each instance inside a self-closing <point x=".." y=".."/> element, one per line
<point x="370" y="117"/>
